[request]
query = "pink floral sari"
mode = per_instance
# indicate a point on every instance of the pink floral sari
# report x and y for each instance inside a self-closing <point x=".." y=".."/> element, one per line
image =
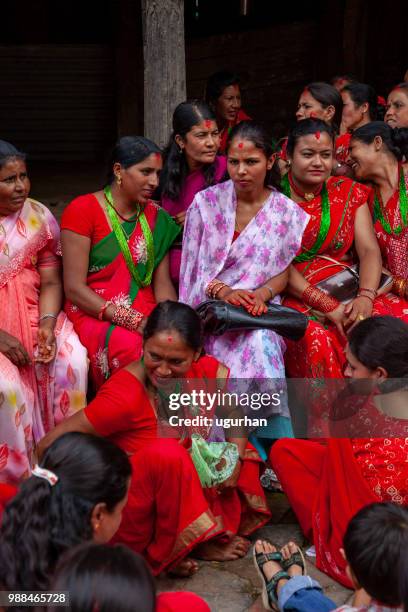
<point x="264" y="249"/>
<point x="34" y="398"/>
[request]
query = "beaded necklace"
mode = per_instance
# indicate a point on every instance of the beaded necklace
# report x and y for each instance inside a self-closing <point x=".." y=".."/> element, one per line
<point x="308" y="254"/>
<point x="379" y="208"/>
<point x="123" y="238"/>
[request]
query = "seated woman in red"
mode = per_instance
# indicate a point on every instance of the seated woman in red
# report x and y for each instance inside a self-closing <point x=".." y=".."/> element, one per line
<point x="169" y="512"/>
<point x="340" y="232"/>
<point x="377" y="154"/>
<point x="111" y="578"/>
<point x="328" y="483"/>
<point x="223" y="95"/>
<point x="115" y="247"/>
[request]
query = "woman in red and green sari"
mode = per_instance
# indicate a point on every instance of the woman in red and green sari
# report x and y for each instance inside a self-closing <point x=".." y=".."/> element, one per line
<point x="115" y="246"/>
<point x="339" y="233"/>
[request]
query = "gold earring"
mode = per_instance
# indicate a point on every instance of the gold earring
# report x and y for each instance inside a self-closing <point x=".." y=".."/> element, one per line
<point x="119" y="180"/>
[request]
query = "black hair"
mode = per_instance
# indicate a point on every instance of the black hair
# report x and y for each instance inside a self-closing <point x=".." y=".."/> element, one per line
<point x="342" y="77"/>
<point x="306" y="127"/>
<point x="403" y="86"/>
<point x="43" y="521"/>
<point x="256" y="133"/>
<point x="130" y="150"/>
<point x="403" y="579"/>
<point x="361" y="93"/>
<point x="175" y="316"/>
<point x="106" y="579"/>
<point x="175" y="168"/>
<point x="394" y="139"/>
<point x="9" y="152"/>
<point x="327" y="95"/>
<point x="216" y="84"/>
<point x="374" y="543"/>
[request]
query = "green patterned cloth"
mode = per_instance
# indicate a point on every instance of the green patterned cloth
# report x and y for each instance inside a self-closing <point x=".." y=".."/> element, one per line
<point x="214" y="461"/>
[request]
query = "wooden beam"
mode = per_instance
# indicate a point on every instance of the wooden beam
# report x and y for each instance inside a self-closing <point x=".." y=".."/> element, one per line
<point x="164" y="65"/>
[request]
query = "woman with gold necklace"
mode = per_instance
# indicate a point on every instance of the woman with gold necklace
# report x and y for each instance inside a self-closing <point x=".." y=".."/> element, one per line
<point x="376" y="153"/>
<point x="339" y="233"/>
<point x="115" y="246"/>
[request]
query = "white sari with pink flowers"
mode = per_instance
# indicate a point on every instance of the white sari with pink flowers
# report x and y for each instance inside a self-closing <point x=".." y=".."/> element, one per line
<point x="33" y="398"/>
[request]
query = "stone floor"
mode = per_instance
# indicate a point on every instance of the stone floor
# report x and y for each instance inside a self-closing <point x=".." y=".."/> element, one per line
<point x="234" y="586"/>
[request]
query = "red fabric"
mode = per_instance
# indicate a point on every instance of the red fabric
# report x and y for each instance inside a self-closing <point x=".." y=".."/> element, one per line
<point x="341" y="147"/>
<point x="320" y="353"/>
<point x="113" y="283"/>
<point x="7" y="492"/>
<point x="121" y="411"/>
<point x="158" y="521"/>
<point x="85" y="216"/>
<point x="166" y="514"/>
<point x="325" y="488"/>
<point x="394" y="249"/>
<point x="181" y="601"/>
<point x="241" y="116"/>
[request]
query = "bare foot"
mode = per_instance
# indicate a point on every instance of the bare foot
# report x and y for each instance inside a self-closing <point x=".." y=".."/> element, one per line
<point x="187" y="567"/>
<point x="217" y="551"/>
<point x="287" y="551"/>
<point x="270" y="568"/>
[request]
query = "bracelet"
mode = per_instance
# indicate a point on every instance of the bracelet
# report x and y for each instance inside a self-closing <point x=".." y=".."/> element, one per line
<point x="314" y="297"/>
<point x="214" y="287"/>
<point x="48" y="315"/>
<point x="270" y="291"/>
<point x="399" y="286"/>
<point x="360" y="295"/>
<point x="373" y="291"/>
<point x="103" y="308"/>
<point x="127" y="318"/>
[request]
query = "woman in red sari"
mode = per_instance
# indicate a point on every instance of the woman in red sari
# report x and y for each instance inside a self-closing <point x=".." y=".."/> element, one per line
<point x="340" y="219"/>
<point x="223" y="94"/>
<point x="377" y="153"/>
<point x="397" y="107"/>
<point x="115" y="244"/>
<point x="360" y="106"/>
<point x="169" y="513"/>
<point x="328" y="483"/>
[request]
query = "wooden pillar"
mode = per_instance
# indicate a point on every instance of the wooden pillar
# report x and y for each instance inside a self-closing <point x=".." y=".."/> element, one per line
<point x="164" y="65"/>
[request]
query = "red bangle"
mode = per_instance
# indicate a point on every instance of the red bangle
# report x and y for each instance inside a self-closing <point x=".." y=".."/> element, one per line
<point x="373" y="291"/>
<point x="102" y="310"/>
<point x="360" y="295"/>
<point x="315" y="298"/>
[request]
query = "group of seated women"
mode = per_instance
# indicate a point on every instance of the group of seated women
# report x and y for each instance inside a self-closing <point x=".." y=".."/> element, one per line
<point x="218" y="215"/>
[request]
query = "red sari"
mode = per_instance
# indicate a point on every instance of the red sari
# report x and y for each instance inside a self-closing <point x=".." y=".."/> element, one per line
<point x="225" y="132"/>
<point x="168" y="512"/>
<point x="327" y="484"/>
<point x="111" y="347"/>
<point x="320" y="353"/>
<point x="394" y="248"/>
<point x="7" y="492"/>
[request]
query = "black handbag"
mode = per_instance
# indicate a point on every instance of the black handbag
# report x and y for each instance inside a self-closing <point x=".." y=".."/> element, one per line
<point x="220" y="317"/>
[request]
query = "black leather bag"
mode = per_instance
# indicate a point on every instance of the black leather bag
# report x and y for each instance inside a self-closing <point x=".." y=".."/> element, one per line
<point x="220" y="317"/>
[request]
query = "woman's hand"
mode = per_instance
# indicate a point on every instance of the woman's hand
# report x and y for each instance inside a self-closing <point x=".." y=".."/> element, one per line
<point x="259" y="306"/>
<point x="337" y="317"/>
<point x="238" y="297"/>
<point x="46" y="342"/>
<point x="357" y="310"/>
<point x="12" y="348"/>
<point x="180" y="218"/>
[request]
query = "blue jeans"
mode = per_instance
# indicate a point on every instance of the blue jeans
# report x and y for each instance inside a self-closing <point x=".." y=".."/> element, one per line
<point x="303" y="594"/>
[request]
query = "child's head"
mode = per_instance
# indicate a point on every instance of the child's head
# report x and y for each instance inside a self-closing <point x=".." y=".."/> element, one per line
<point x="374" y="544"/>
<point x="105" y="578"/>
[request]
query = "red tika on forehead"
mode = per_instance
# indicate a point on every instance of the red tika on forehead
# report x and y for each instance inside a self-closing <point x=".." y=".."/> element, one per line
<point x="208" y="123"/>
<point x="157" y="155"/>
<point x="240" y="145"/>
<point x="317" y="134"/>
<point x="169" y="339"/>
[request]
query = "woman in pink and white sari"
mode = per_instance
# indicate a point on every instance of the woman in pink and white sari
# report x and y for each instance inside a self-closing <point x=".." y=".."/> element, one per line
<point x="239" y="240"/>
<point x="43" y="366"/>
